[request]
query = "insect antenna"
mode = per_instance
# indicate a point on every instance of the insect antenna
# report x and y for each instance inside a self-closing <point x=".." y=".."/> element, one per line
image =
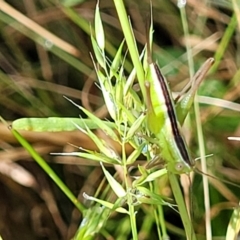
<point x="216" y="178"/>
<point x="196" y="170"/>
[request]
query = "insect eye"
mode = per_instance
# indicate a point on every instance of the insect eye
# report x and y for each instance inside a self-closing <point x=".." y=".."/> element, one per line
<point x="179" y="167"/>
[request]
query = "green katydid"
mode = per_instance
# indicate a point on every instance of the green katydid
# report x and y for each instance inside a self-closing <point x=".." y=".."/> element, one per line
<point x="173" y="149"/>
<point x="162" y="119"/>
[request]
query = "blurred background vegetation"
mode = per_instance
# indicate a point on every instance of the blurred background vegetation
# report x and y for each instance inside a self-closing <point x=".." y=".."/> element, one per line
<point x="45" y="53"/>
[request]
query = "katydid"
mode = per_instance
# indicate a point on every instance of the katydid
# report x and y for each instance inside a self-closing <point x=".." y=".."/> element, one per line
<point x="163" y="123"/>
<point x="173" y="149"/>
<point x="162" y="119"/>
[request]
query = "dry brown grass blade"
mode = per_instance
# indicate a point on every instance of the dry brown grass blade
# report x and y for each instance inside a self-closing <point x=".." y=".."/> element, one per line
<point x="20" y="18"/>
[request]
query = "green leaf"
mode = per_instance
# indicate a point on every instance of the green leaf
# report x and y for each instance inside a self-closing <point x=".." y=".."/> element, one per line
<point x="52" y="124"/>
<point x="108" y="130"/>
<point x="106" y="204"/>
<point x="148" y="177"/>
<point x="71" y="3"/>
<point x="234" y="225"/>
<point x="108" y="93"/>
<point x="149" y="197"/>
<point x="116" y="63"/>
<point x="135" y="126"/>
<point x="98" y="54"/>
<point x="91" y="155"/>
<point x="93" y="220"/>
<point x="135" y="154"/>
<point x="116" y="186"/>
<point x="129" y="83"/>
<point x="101" y="124"/>
<point x="154" y="175"/>
<point x="55" y="124"/>
<point x="99" y="32"/>
<point x="127" y="114"/>
<point x="102" y="146"/>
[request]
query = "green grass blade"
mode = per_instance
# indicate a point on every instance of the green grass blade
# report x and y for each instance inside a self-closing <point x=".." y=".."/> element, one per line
<point x="224" y="42"/>
<point x="55" y="124"/>
<point x="181" y="206"/>
<point x="47" y="169"/>
<point x="131" y="43"/>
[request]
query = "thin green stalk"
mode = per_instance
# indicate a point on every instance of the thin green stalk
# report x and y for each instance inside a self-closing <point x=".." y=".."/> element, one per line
<point x="224" y="43"/>
<point x="132" y="213"/>
<point x="158" y="215"/>
<point x="181" y="206"/>
<point x="131" y="43"/>
<point x="199" y="128"/>
<point x="204" y="169"/>
<point x="47" y="169"/>
<point x="132" y="218"/>
<point x="157" y="221"/>
<point x="162" y="222"/>
<point x="186" y="34"/>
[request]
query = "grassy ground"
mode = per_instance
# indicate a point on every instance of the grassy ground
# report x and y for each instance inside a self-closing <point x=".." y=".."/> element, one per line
<point x="45" y="54"/>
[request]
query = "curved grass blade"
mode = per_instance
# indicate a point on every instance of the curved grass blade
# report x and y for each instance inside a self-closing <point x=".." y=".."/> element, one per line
<point x="48" y="170"/>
